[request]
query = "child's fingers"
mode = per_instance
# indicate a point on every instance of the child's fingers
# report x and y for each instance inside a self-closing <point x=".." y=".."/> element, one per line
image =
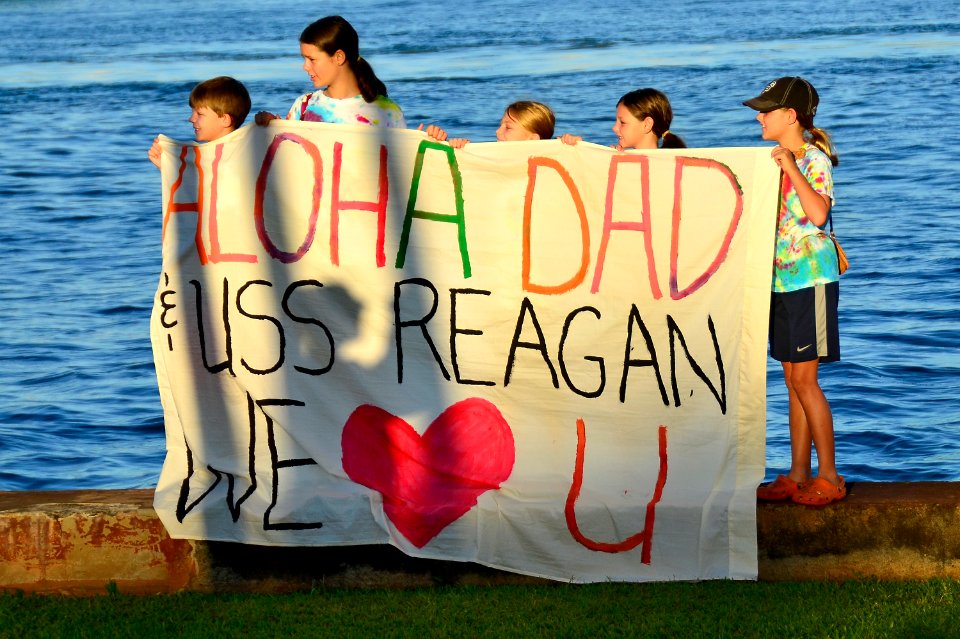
<point x="264" y="117"/>
<point x="154" y="154"/>
<point x="436" y="132"/>
<point x="782" y="156"/>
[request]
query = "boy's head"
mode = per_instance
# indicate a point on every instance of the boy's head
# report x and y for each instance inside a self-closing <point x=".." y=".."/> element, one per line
<point x="219" y="106"/>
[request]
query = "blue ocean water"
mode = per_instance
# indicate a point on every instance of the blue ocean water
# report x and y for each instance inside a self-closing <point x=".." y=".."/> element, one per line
<point x="85" y="86"/>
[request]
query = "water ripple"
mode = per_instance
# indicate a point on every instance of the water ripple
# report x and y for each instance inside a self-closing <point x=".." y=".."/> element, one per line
<point x="79" y="406"/>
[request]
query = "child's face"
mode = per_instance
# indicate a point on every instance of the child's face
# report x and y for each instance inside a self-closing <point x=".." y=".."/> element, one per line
<point x="207" y="125"/>
<point x="322" y="68"/>
<point x="630" y="130"/>
<point x="511" y="131"/>
<point x="773" y="124"/>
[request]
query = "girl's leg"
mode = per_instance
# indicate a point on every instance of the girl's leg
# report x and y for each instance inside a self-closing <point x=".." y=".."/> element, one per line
<point x="800" y="440"/>
<point x="818" y="420"/>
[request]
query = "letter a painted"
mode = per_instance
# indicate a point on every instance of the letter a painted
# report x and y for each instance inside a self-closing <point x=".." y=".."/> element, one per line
<point x="458" y="218"/>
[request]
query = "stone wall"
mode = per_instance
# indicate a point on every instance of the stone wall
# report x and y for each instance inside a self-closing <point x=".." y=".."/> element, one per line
<point x="86" y="542"/>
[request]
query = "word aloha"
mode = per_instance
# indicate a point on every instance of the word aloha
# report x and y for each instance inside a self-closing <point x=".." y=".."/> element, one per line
<point x="210" y="251"/>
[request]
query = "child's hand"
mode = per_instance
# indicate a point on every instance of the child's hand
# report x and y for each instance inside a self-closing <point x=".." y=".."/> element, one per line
<point x="784" y="158"/>
<point x="434" y="132"/>
<point x="264" y="117"/>
<point x="569" y="138"/>
<point x="154" y="152"/>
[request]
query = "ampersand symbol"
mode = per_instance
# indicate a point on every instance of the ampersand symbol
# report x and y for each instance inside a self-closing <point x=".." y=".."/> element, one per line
<point x="167" y="307"/>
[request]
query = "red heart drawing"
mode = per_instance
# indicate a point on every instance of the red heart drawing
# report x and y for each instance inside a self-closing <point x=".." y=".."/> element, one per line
<point x="428" y="482"/>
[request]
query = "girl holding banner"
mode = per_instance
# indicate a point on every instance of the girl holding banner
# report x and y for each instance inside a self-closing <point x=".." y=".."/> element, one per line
<point x="643" y="122"/>
<point x="352" y="93"/>
<point x="806" y="286"/>
<point x="522" y="121"/>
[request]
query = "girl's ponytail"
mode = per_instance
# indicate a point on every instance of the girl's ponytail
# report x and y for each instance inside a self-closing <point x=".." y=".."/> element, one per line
<point x="820" y="138"/>
<point x="671" y="141"/>
<point x="370" y="85"/>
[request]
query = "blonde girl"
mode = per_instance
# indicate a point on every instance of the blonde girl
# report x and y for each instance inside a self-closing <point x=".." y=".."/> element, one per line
<point x="522" y="120"/>
<point x="806" y="288"/>
<point x="351" y="92"/>
<point x="643" y="121"/>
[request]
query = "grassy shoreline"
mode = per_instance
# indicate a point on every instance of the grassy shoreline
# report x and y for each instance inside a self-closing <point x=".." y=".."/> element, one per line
<point x="705" y="609"/>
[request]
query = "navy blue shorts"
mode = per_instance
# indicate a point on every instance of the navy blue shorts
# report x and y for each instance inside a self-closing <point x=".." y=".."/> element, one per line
<point x="803" y="324"/>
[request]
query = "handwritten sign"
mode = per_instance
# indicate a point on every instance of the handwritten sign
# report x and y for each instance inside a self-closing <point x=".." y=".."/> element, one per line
<point x="541" y="358"/>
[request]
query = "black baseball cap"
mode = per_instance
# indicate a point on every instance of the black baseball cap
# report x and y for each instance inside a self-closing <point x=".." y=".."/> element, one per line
<point x="789" y="92"/>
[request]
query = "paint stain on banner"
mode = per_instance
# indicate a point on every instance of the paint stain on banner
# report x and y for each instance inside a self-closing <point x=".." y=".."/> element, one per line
<point x="429" y="481"/>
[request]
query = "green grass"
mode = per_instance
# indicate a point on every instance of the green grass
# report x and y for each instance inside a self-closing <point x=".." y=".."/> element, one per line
<point x="708" y="609"/>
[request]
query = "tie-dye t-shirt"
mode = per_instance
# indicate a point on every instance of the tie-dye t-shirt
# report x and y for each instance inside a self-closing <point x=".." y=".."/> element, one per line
<point x="805" y="255"/>
<point x="317" y="107"/>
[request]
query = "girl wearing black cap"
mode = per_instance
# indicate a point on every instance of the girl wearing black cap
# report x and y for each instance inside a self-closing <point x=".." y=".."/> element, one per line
<point x="803" y="310"/>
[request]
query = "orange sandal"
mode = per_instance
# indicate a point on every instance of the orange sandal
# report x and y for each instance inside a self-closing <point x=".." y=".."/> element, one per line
<point x="779" y="489"/>
<point x="820" y="492"/>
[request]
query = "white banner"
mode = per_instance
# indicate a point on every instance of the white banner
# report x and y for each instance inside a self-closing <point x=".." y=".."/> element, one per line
<point x="542" y="358"/>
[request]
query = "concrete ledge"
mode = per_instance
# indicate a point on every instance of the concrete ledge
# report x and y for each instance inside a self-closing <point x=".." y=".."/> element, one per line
<point x="890" y="531"/>
<point x="80" y="542"/>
